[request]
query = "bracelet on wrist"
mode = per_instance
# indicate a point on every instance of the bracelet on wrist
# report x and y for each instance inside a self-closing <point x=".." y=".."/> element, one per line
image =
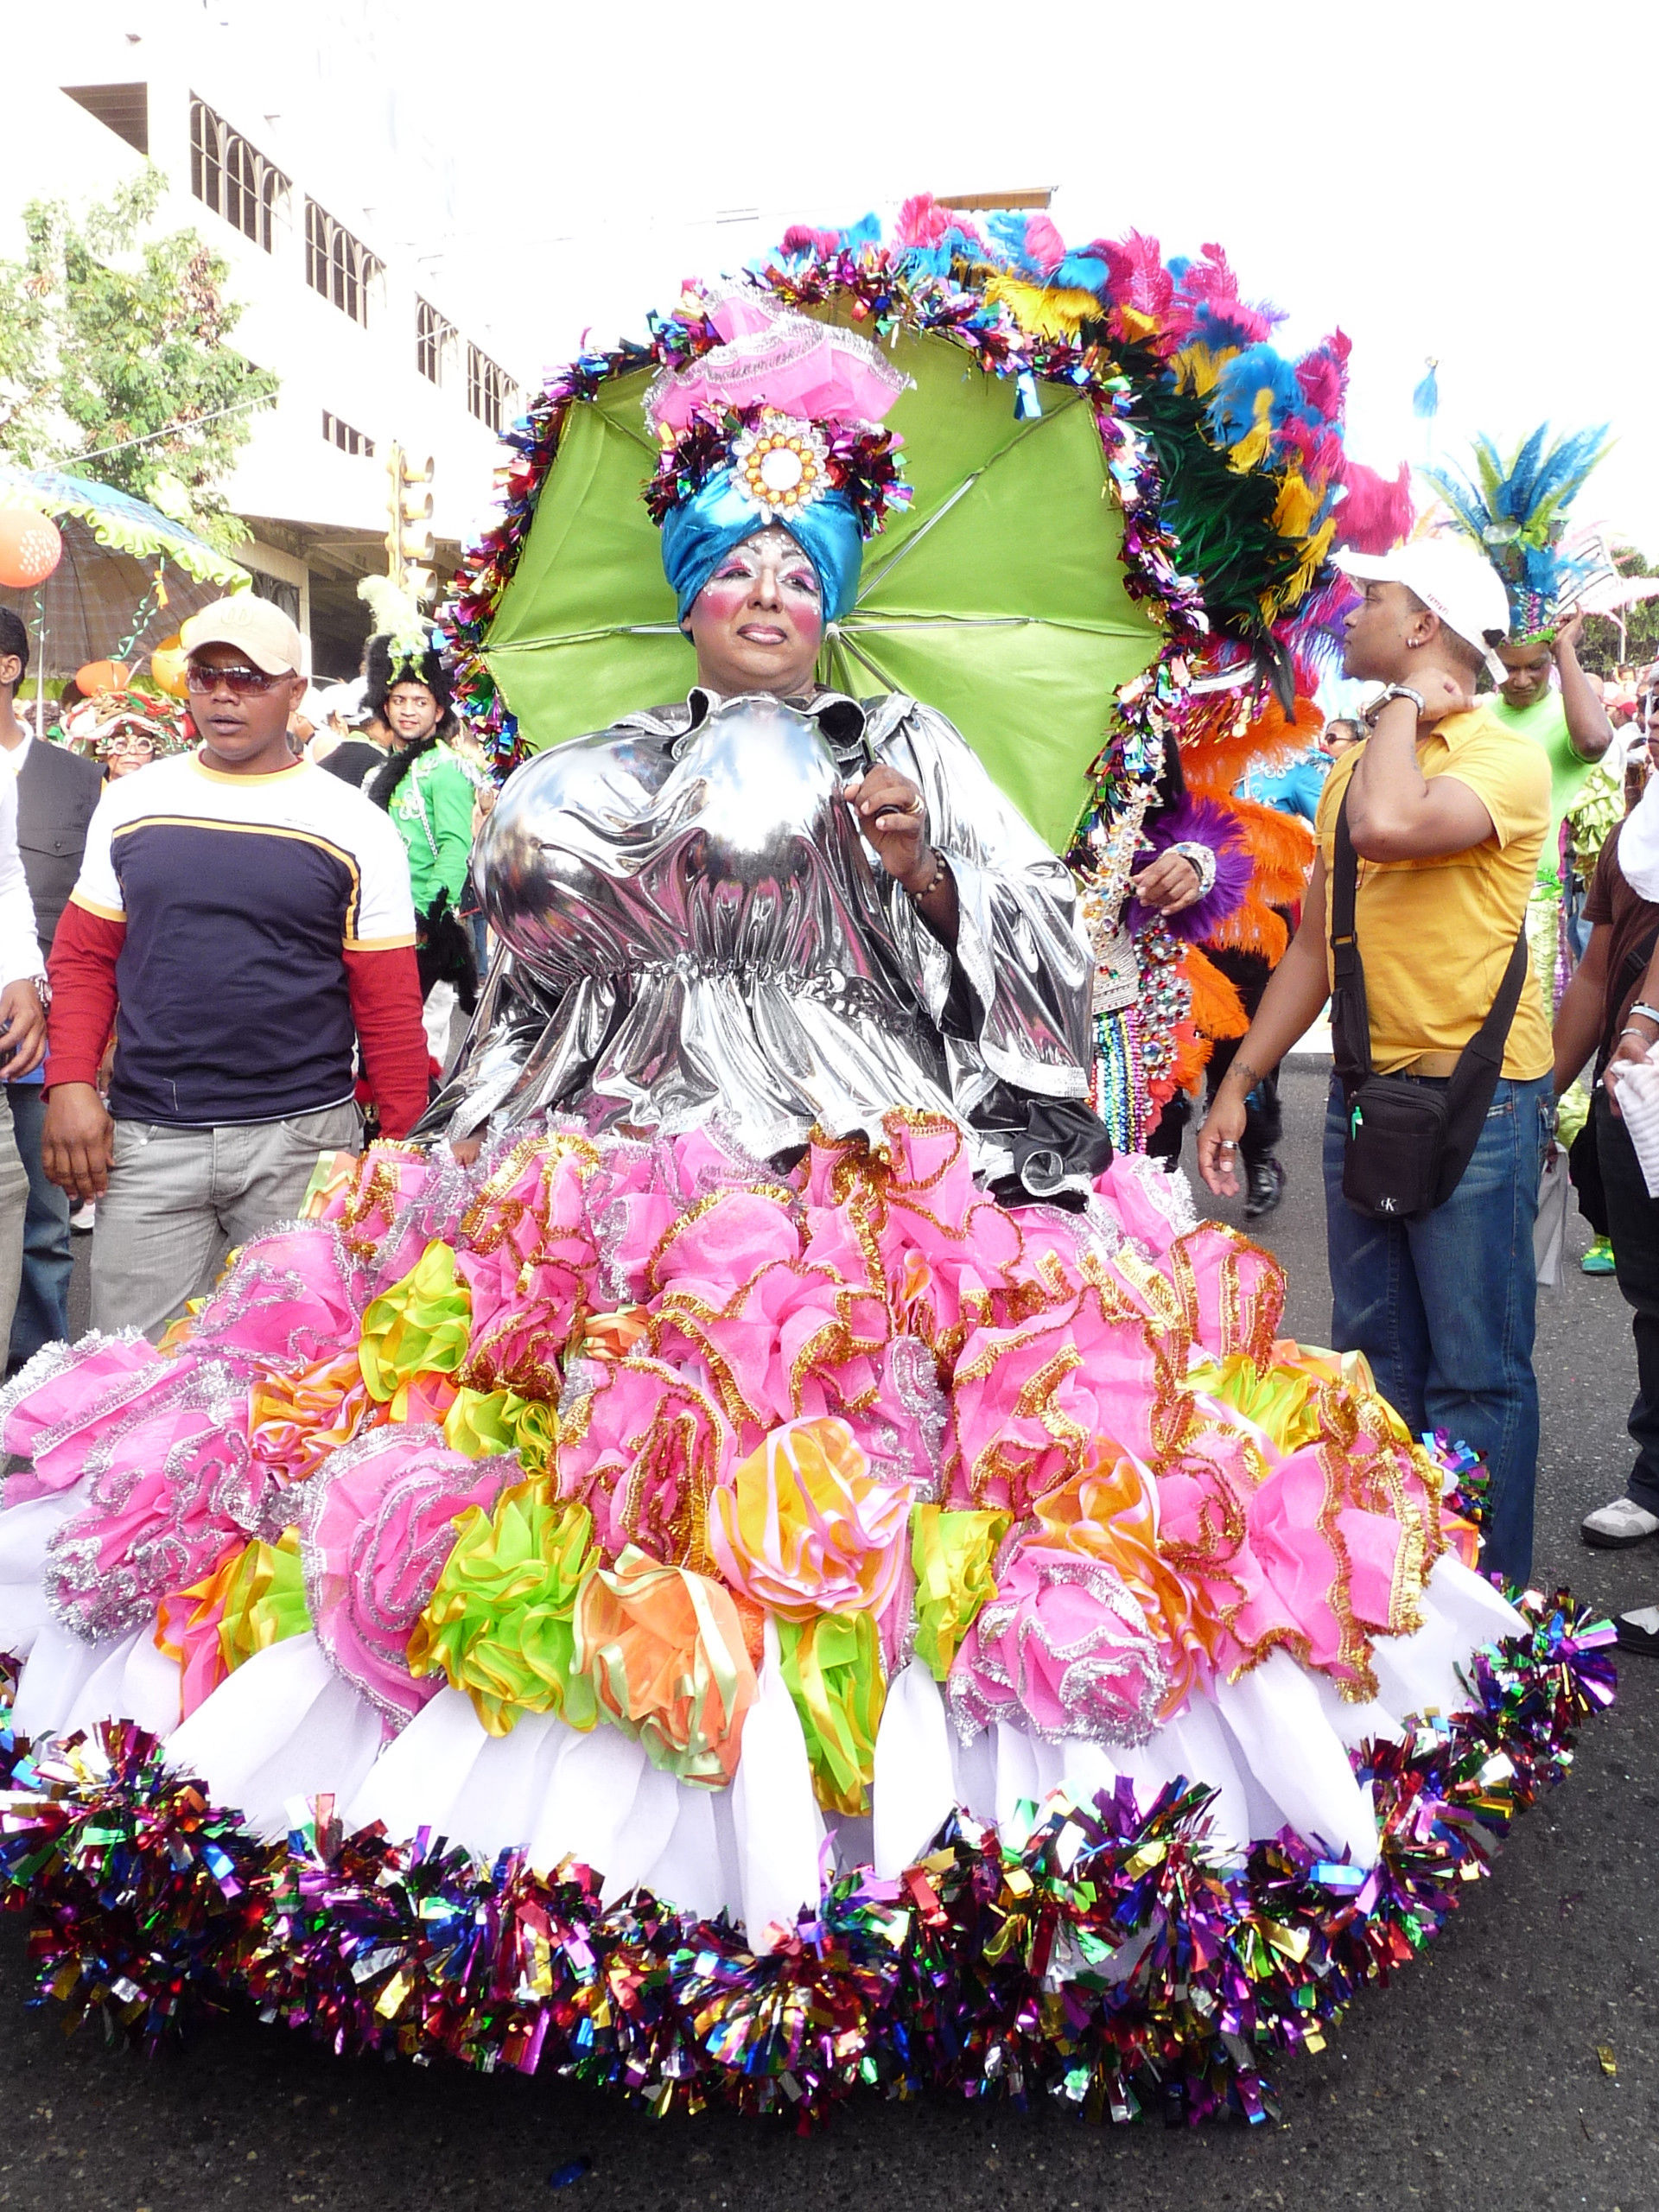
<point x="1203" y="858"/>
<point x="940" y="872"/>
<point x="1648" y="1013"/>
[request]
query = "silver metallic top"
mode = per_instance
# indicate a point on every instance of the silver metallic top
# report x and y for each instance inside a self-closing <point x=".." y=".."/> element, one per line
<point x="692" y="929"/>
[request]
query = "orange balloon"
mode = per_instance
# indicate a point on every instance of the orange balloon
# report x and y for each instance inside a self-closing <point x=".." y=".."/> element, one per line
<point x="167" y="667"/>
<point x="103" y="676"/>
<point x="30" y="548"/>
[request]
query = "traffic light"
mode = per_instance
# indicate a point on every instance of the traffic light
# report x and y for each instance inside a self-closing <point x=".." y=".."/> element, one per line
<point x="408" y="542"/>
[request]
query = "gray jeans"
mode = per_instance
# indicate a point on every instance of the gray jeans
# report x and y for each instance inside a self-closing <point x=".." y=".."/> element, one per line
<point x="14" y="1206"/>
<point x="180" y="1199"/>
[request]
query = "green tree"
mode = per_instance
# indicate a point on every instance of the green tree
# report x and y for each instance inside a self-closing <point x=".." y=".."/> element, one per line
<point x="112" y="338"/>
<point x="1600" y="653"/>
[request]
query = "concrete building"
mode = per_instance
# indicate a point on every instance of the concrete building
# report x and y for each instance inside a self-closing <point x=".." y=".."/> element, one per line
<point x="292" y="154"/>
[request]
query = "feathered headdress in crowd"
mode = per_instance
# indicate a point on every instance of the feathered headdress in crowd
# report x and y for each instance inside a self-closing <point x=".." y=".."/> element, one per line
<point x="404" y="648"/>
<point x="1516" y="511"/>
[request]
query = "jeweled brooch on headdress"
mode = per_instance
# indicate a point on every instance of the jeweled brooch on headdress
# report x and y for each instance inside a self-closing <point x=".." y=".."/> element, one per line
<point x="782" y="463"/>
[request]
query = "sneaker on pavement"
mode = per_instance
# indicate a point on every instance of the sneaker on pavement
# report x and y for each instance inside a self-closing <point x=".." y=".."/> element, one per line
<point x="1611" y="1527"/>
<point x="1598" y="1260"/>
<point x="84" y="1218"/>
<point x="1639" y="1631"/>
<point x="1265" y="1188"/>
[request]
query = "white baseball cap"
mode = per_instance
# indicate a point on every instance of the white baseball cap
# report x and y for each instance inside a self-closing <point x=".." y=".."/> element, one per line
<point x="1450" y="578"/>
<point x="255" y="627"/>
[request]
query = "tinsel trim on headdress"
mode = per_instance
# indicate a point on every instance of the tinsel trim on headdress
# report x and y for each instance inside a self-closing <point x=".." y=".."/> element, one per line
<point x="859" y="461"/>
<point x="1115" y="1959"/>
<point x="1516" y="511"/>
<point x="1227" y="460"/>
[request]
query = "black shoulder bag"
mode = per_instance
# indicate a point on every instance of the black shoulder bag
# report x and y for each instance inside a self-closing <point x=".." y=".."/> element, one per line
<point x="1407" y="1143"/>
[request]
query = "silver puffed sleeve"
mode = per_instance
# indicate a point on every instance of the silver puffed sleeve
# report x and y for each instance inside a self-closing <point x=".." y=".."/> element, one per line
<point x="1019" y="945"/>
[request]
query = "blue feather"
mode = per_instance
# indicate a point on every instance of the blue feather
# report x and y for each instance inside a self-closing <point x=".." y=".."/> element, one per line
<point x="1516" y="511"/>
<point x="1232" y="410"/>
<point x="1082" y="273"/>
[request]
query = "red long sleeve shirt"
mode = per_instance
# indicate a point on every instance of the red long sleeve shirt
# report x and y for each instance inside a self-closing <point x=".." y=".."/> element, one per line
<point x="384" y="985"/>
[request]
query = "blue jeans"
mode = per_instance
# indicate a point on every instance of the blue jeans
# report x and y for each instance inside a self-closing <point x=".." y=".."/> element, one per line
<point x="1443" y="1308"/>
<point x="42" y="1315"/>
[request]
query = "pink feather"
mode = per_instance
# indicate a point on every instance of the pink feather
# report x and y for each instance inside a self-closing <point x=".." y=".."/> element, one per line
<point x="1375" y="513"/>
<point x="1045" y="244"/>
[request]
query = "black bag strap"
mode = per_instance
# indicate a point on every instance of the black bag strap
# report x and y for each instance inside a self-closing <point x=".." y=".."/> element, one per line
<point x="1474" y="1079"/>
<point x="1351" y="1017"/>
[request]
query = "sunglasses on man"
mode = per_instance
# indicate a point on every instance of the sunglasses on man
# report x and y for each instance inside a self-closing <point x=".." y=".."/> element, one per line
<point x="238" y="680"/>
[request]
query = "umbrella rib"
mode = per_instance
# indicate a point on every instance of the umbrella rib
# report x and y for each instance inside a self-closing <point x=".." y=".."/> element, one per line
<point x="960" y="491"/>
<point x="951" y="622"/>
<point x="916" y="538"/>
<point x="851" y="647"/>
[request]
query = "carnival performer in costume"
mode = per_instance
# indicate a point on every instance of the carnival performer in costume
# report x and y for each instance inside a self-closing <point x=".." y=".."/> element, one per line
<point x="1516" y="511"/>
<point x="430" y="794"/>
<point x="759" y="1560"/>
<point x="127" y="729"/>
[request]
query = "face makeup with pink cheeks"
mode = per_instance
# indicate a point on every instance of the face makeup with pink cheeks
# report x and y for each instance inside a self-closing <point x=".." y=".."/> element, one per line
<point x="758" y="622"/>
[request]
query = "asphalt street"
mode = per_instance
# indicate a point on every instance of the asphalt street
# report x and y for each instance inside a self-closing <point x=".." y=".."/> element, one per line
<point x="1473" y="2079"/>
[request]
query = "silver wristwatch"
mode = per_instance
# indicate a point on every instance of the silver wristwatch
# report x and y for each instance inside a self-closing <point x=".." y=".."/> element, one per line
<point x="1397" y="691"/>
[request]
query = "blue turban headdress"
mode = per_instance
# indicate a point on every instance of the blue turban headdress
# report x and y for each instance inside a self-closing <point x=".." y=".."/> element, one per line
<point x="819" y="392"/>
<point x="701" y="531"/>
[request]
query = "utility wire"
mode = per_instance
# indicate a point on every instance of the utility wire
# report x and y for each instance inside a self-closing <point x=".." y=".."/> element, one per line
<point x="170" y="429"/>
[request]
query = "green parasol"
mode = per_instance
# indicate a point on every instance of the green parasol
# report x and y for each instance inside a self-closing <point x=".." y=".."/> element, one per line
<point x="997" y="597"/>
<point x="1121" y="517"/>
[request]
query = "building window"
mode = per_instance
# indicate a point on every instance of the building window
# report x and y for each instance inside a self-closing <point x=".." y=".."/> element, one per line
<point x="123" y="108"/>
<point x="343" y="436"/>
<point x="338" y="265"/>
<point x="234" y="178"/>
<point x="490" y="391"/>
<point x="285" y="596"/>
<point x="435" y="341"/>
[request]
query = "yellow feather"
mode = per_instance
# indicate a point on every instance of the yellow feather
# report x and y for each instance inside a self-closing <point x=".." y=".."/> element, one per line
<point x="1197" y="367"/>
<point x="1252" y="448"/>
<point x="1297" y="504"/>
<point x="1047" y="311"/>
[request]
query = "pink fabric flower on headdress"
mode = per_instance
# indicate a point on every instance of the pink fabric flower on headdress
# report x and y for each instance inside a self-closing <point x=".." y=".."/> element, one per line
<point x="285" y="1304"/>
<point x="526" y="1251"/>
<point x="773" y="357"/>
<point x="780" y="1335"/>
<point x="57" y="1420"/>
<point x="377" y="1206"/>
<point x="1029" y="1400"/>
<point x="377" y="1524"/>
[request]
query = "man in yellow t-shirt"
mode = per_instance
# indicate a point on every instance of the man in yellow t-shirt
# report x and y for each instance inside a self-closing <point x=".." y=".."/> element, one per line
<point x="1448" y="812"/>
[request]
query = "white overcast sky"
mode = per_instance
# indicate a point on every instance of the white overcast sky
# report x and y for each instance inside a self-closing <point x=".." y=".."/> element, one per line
<point x="1460" y="179"/>
<point x="1457" y="178"/>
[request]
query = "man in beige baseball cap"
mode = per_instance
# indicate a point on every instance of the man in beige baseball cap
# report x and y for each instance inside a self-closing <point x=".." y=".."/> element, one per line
<point x="246" y="923"/>
<point x="263" y="632"/>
